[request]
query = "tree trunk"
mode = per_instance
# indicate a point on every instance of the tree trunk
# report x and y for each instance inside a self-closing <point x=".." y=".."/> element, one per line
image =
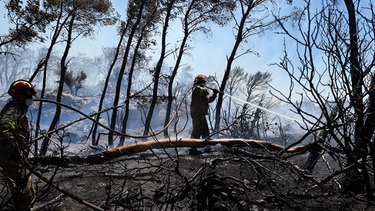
<point x="128" y="92"/>
<point x="44" y="64"/>
<point x="356" y="179"/>
<point x="95" y="142"/>
<point x="158" y="70"/>
<point x="122" y="71"/>
<point x="239" y="39"/>
<point x="370" y="122"/>
<point x="63" y="67"/>
<point x="176" y="66"/>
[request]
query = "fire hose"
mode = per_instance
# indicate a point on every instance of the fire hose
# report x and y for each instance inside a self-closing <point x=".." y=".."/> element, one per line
<point x="164" y="143"/>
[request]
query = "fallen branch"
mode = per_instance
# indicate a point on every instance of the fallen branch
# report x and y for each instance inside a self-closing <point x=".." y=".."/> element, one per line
<point x="162" y="143"/>
<point x="199" y="143"/>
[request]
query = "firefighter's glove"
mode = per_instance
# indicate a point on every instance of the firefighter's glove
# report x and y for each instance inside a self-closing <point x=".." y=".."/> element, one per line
<point x="215" y="91"/>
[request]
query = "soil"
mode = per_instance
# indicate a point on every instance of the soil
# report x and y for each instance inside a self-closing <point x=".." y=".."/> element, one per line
<point x="223" y="179"/>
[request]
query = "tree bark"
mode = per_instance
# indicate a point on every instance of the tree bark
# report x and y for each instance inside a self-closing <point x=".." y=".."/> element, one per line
<point x="356" y="179"/>
<point x="239" y="39"/>
<point x="63" y="66"/>
<point x="128" y="92"/>
<point x="44" y="63"/>
<point x="158" y="69"/>
<point x="122" y="71"/>
<point x="94" y="141"/>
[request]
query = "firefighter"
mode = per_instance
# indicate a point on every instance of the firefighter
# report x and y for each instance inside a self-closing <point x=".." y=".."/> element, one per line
<point x="199" y="108"/>
<point x="14" y="144"/>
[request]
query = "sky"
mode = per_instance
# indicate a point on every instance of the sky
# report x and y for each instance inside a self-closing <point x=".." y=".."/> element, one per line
<point x="209" y="54"/>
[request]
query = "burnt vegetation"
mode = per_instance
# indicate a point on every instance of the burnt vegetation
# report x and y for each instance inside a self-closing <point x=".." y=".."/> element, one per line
<point x="91" y="115"/>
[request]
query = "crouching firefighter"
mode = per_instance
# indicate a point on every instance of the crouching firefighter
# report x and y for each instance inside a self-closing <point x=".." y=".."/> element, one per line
<point x="14" y="144"/>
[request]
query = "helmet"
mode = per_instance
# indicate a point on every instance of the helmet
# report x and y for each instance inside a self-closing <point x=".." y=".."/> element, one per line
<point x="21" y="86"/>
<point x="200" y="79"/>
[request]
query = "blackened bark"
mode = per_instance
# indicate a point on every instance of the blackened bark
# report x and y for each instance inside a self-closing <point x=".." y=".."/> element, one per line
<point x="122" y="71"/>
<point x="316" y="150"/>
<point x="63" y="67"/>
<point x="357" y="178"/>
<point x="158" y="69"/>
<point x="230" y="60"/>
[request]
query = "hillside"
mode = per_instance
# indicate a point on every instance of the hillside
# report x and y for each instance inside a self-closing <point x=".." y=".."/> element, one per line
<point x="226" y="178"/>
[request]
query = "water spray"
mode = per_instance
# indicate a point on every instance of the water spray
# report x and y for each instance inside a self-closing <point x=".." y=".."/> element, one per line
<point x="260" y="107"/>
<point x="265" y="109"/>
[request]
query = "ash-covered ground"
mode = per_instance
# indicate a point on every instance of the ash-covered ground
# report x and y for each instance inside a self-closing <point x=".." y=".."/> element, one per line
<point x="223" y="179"/>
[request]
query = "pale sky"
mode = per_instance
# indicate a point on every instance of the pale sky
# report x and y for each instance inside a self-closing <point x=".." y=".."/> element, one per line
<point x="209" y="55"/>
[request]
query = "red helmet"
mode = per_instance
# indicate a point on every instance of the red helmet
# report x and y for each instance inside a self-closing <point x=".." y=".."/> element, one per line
<point x="23" y="87"/>
<point x="200" y="79"/>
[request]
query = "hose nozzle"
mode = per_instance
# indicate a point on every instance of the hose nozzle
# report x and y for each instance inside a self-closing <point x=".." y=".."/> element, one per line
<point x="216" y="90"/>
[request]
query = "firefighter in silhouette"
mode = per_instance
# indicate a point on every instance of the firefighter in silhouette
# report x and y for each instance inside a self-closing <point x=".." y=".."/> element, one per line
<point x="199" y="108"/>
<point x="14" y="144"/>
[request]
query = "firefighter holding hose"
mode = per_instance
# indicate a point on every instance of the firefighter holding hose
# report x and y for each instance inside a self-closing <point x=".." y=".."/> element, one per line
<point x="14" y="144"/>
<point x="199" y="108"/>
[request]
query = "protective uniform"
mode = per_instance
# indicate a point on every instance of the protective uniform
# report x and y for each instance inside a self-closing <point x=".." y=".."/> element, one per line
<point x="199" y="107"/>
<point x="14" y="149"/>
